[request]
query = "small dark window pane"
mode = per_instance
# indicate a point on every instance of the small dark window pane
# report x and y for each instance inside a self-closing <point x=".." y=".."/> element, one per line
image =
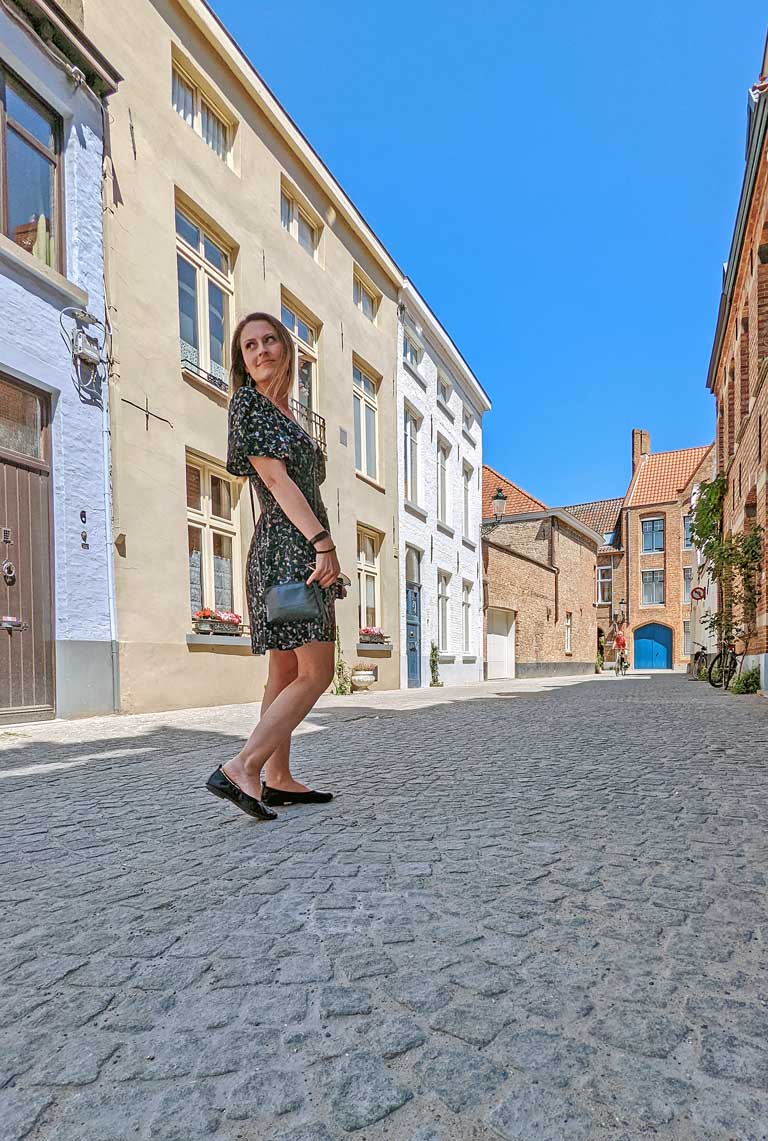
<point x="186" y="230"/>
<point x="20" y="108"/>
<point x="194" y="489"/>
<point x="30" y="198"/>
<point x="20" y="420"/>
<point x="216" y="323"/>
<point x="221" y="498"/>
<point x="214" y="255"/>
<point x="187" y="302"/>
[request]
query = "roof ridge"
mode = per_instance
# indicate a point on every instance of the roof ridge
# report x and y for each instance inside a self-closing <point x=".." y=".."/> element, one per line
<point x="512" y="483"/>
<point x="677" y="451"/>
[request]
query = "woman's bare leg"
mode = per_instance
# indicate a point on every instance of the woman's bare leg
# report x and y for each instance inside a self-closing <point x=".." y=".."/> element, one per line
<point x="286" y="710"/>
<point x="283" y="669"/>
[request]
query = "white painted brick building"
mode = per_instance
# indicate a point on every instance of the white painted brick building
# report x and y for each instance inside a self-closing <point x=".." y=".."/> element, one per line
<point x="56" y="596"/>
<point x="440" y="407"/>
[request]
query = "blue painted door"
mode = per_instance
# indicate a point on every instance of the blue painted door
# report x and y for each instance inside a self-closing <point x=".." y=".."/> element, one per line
<point x="413" y="633"/>
<point x="653" y="647"/>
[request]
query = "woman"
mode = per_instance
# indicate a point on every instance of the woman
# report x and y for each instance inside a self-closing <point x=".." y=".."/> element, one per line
<point x="286" y="467"/>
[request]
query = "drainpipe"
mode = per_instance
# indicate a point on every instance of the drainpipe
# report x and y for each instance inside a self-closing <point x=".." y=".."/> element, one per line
<point x="556" y="569"/>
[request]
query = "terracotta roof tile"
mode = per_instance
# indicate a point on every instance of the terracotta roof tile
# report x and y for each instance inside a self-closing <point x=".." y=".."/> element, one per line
<point x="662" y="476"/>
<point x="518" y="501"/>
<point x="601" y="515"/>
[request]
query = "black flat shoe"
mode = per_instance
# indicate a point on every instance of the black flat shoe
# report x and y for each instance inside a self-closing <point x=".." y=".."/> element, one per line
<point x="220" y="785"/>
<point x="278" y="796"/>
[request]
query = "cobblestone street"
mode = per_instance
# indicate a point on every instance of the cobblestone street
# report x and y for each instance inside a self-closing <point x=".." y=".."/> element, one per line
<point x="536" y="916"/>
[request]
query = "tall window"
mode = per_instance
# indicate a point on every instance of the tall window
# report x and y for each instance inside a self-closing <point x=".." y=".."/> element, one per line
<point x="443" y="581"/>
<point x="687" y="583"/>
<point x="568" y="632"/>
<point x="198" y="113"/>
<point x="367" y="577"/>
<point x="305" y="337"/>
<point x="687" y="539"/>
<point x="686" y="639"/>
<point x="466" y="520"/>
<point x="212" y="538"/>
<point x="467" y="420"/>
<point x="410" y="351"/>
<point x="364" y="414"/>
<point x="30" y="148"/>
<point x="653" y="535"/>
<point x="653" y="588"/>
<point x="297" y="222"/>
<point x="364" y="298"/>
<point x="466" y="616"/>
<point x="604" y="584"/>
<point x="205" y="297"/>
<point x="411" y="455"/>
<point x="443" y="454"/>
<point x="443" y="390"/>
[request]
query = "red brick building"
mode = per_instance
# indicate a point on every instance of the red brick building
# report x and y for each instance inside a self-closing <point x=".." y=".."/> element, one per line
<point x="739" y="361"/>
<point x="538" y="585"/>
<point x="646" y="564"/>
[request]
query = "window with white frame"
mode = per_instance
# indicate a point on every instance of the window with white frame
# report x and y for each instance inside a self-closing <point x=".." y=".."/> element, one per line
<point x="198" y="112"/>
<point x="686" y="639"/>
<point x="212" y="538"/>
<point x="568" y="632"/>
<point x="466" y="616"/>
<point x="687" y="536"/>
<point x="443" y="389"/>
<point x="653" y="535"/>
<point x="411" y="352"/>
<point x="367" y="577"/>
<point x="687" y="583"/>
<point x="467" y="420"/>
<point x="466" y="514"/>
<point x="653" y="588"/>
<point x="411" y="456"/>
<point x="305" y="335"/>
<point x="364" y="401"/>
<point x="443" y="457"/>
<point x="297" y="222"/>
<point x="604" y="584"/>
<point x="364" y="298"/>
<point x="443" y="582"/>
<point x="204" y="275"/>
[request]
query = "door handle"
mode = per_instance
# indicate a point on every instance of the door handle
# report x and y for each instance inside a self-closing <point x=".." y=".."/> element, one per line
<point x="9" y="623"/>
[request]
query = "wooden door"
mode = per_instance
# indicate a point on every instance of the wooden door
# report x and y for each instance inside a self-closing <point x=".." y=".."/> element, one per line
<point x="26" y="610"/>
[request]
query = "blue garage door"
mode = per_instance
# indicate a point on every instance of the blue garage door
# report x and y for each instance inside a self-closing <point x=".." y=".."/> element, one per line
<point x="653" y="647"/>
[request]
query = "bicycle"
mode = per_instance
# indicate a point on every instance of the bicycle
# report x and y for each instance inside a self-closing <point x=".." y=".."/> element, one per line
<point x="698" y="663"/>
<point x="621" y="665"/>
<point x="723" y="668"/>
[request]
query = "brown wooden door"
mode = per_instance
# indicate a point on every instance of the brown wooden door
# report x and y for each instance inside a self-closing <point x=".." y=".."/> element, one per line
<point x="26" y="612"/>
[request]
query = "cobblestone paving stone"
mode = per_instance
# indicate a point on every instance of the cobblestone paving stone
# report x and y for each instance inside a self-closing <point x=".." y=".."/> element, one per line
<point x="537" y="916"/>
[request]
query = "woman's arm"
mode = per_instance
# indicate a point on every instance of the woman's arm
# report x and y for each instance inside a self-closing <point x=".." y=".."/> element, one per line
<point x="294" y="505"/>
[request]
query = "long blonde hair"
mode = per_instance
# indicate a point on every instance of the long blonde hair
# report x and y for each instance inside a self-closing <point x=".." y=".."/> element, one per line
<point x="278" y="388"/>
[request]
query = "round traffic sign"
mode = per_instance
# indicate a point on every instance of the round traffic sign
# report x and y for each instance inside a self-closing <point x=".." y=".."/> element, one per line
<point x="697" y="593"/>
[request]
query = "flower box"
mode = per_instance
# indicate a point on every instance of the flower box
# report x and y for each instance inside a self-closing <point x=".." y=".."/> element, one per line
<point x="208" y="621"/>
<point x="372" y="634"/>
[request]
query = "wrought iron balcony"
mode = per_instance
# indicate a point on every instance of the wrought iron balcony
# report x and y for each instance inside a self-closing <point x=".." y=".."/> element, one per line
<point x="311" y="422"/>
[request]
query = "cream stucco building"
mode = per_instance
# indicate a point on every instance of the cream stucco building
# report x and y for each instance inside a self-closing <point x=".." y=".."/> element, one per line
<point x="218" y="206"/>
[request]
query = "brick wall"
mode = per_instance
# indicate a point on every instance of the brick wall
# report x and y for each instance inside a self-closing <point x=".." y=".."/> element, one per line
<point x="520" y="577"/>
<point x="671" y="561"/>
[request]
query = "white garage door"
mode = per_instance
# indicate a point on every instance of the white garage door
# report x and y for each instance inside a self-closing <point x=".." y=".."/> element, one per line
<point x="501" y="643"/>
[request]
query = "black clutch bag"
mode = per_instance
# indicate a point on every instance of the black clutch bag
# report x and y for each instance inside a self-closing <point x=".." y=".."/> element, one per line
<point x="293" y="602"/>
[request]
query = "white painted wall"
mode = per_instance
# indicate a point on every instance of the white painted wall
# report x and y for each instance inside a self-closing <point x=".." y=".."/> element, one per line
<point x="32" y="349"/>
<point x="455" y="553"/>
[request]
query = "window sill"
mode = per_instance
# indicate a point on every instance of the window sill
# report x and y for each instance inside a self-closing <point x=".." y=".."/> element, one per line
<point x="415" y="373"/>
<point x="445" y="658"/>
<point x="414" y="509"/>
<point x="468" y="543"/>
<point x="231" y="641"/>
<point x="469" y="657"/>
<point x="43" y="276"/>
<point x="444" y="408"/>
<point x="204" y="385"/>
<point x="384" y="648"/>
<point x="371" y="482"/>
<point x="445" y="529"/>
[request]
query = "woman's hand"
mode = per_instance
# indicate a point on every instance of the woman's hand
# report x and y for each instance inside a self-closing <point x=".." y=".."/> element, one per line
<point x="326" y="569"/>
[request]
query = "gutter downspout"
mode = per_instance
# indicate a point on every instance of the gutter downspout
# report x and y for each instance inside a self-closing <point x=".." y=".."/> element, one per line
<point x="555" y="568"/>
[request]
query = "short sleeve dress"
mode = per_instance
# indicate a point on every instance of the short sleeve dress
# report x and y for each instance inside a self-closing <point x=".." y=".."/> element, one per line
<point x="279" y="552"/>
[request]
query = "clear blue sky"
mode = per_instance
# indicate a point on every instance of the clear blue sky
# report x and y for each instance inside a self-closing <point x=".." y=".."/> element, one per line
<point x="560" y="182"/>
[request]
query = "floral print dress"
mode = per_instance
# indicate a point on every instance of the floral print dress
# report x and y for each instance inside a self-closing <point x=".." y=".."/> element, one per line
<point x="279" y="552"/>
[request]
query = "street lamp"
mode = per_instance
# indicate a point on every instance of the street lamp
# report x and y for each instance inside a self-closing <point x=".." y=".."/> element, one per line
<point x="499" y="504"/>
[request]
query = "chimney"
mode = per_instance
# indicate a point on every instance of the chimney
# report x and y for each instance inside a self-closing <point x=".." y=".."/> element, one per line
<point x="641" y="446"/>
